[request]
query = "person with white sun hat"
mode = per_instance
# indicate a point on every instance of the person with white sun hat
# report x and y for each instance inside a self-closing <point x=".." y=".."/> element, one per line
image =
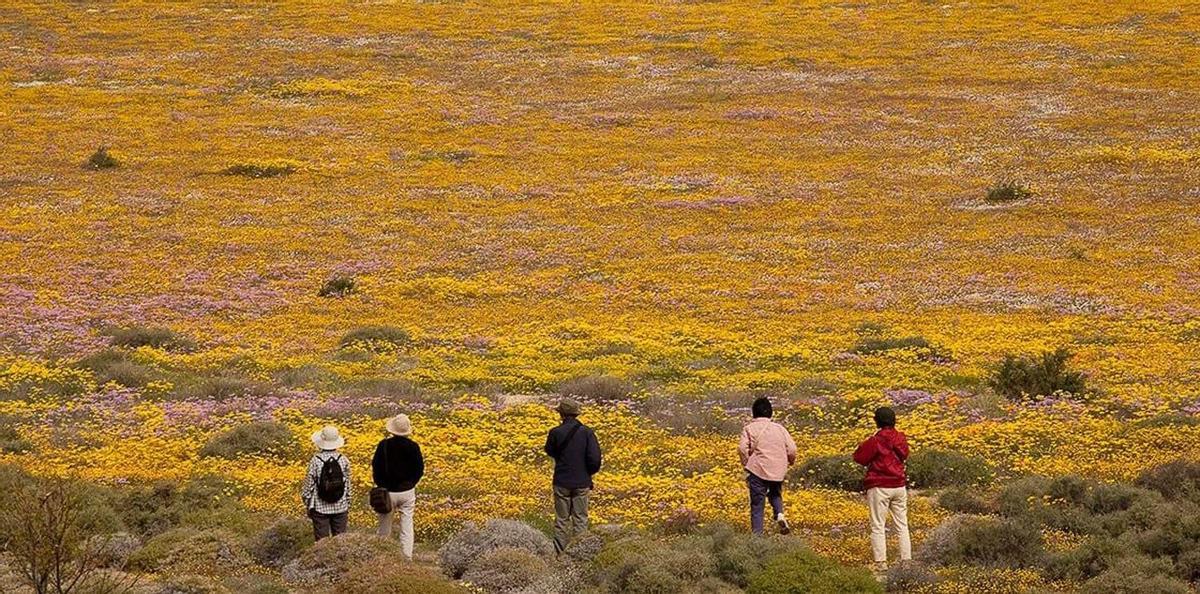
<point x="326" y="489"/>
<point x="397" y="467"/>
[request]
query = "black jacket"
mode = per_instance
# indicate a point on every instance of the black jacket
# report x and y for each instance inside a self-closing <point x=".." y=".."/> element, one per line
<point x="397" y="465"/>
<point x="576" y="461"/>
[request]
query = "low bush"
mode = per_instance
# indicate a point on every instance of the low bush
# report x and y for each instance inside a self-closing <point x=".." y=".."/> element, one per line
<point x="376" y="338"/>
<point x="389" y="574"/>
<point x="256" y="583"/>
<point x="935" y="469"/>
<point x="833" y="472"/>
<point x="1088" y="560"/>
<point x="964" y="501"/>
<point x="191" y="584"/>
<point x="1137" y="575"/>
<point x="330" y="558"/>
<point x="1007" y="191"/>
<point x="11" y="441"/>
<point x="150" y="336"/>
<point x="222" y="387"/>
<point x="984" y="541"/>
<point x="258" y="438"/>
<point x="115" y="365"/>
<point x="803" y="572"/>
<point x="638" y="566"/>
<point x="910" y="576"/>
<point x="505" y="570"/>
<point x="281" y="542"/>
<point x="112" y="550"/>
<point x="101" y="159"/>
<point x="151" y="509"/>
<point x="1020" y="378"/>
<point x="596" y="388"/>
<point x="875" y="345"/>
<point x="191" y="551"/>
<point x="739" y="555"/>
<point x="474" y="541"/>
<point x="584" y="547"/>
<point x="263" y="169"/>
<point x="338" y="286"/>
<point x="1176" y="480"/>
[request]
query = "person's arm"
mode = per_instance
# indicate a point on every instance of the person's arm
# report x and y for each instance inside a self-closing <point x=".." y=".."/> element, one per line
<point x="377" y="470"/>
<point x="866" y="452"/>
<point x="346" y="471"/>
<point x="309" y="487"/>
<point x="901" y="446"/>
<point x="791" y="447"/>
<point x="418" y="465"/>
<point x="592" y="455"/>
<point x="744" y="446"/>
<point x="551" y="450"/>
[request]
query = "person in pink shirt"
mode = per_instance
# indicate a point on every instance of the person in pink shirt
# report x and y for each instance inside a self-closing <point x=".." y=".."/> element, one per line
<point x="767" y="450"/>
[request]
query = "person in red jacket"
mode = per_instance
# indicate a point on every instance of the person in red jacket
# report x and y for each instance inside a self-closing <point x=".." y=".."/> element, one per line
<point x="886" y="484"/>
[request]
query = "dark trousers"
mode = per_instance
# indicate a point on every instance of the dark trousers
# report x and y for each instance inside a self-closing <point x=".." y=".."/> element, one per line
<point x="328" y="524"/>
<point x="760" y="492"/>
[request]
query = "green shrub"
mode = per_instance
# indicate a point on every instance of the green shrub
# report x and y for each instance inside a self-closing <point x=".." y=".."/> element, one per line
<point x="101" y="159"/>
<point x="191" y="584"/>
<point x="1088" y="560"/>
<point x="259" y="170"/>
<point x="963" y="501"/>
<point x="199" y="503"/>
<point x="505" y="570"/>
<point x="222" y="387"/>
<point x="331" y="558"/>
<point x="1137" y="575"/>
<point x="389" y="574"/>
<point x="739" y="555"/>
<point x="256" y="583"/>
<point x="596" y="388"/>
<point x="1175" y="480"/>
<point x="874" y="345"/>
<point x="670" y="567"/>
<point x="1019" y="378"/>
<point x="115" y="365"/>
<point x="988" y="542"/>
<point x="151" y="336"/>
<point x="258" y="438"/>
<point x="474" y="541"/>
<point x="833" y="472"/>
<point x="376" y="338"/>
<point x="935" y="469"/>
<point x="338" y="286"/>
<point x="11" y="441"/>
<point x="1007" y="191"/>
<point x="803" y="572"/>
<point x="190" y="550"/>
<point x="281" y="542"/>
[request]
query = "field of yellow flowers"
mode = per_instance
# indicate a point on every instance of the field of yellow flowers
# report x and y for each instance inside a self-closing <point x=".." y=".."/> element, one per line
<point x="703" y="199"/>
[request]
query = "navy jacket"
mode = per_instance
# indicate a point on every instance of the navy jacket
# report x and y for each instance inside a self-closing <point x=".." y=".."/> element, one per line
<point x="397" y="465"/>
<point x="574" y="462"/>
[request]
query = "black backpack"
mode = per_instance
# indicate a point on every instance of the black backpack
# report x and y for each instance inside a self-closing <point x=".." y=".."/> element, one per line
<point x="331" y="483"/>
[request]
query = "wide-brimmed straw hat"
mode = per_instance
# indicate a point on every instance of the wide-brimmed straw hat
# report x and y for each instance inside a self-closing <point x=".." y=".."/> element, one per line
<point x="328" y="438"/>
<point x="569" y="407"/>
<point x="400" y="425"/>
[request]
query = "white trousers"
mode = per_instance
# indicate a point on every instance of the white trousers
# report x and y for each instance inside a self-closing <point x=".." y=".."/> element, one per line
<point x="402" y="505"/>
<point x="882" y="501"/>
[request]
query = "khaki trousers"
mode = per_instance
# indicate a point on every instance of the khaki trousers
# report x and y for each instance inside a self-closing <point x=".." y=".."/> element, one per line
<point x="882" y="501"/>
<point x="402" y="505"/>
<point x="570" y="514"/>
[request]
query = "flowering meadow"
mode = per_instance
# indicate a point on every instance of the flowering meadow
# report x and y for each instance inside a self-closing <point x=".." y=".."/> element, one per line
<point x="332" y="212"/>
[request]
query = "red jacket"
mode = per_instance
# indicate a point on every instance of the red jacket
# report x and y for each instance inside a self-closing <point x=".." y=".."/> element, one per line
<point x="883" y="454"/>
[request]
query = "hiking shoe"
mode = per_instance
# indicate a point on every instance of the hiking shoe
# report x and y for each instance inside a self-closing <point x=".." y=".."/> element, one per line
<point x="783" y="525"/>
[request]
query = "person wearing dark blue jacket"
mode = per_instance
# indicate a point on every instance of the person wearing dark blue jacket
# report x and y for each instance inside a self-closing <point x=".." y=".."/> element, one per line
<point x="576" y="454"/>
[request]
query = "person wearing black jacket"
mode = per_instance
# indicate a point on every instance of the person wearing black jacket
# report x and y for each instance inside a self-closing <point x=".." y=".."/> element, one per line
<point x="576" y="454"/>
<point x="398" y="466"/>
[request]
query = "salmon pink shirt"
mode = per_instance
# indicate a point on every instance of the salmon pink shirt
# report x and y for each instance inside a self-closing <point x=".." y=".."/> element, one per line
<point x="767" y="449"/>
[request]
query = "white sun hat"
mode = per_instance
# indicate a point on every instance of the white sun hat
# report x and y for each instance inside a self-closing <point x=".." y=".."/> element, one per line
<point x="328" y="438"/>
<point x="400" y="425"/>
